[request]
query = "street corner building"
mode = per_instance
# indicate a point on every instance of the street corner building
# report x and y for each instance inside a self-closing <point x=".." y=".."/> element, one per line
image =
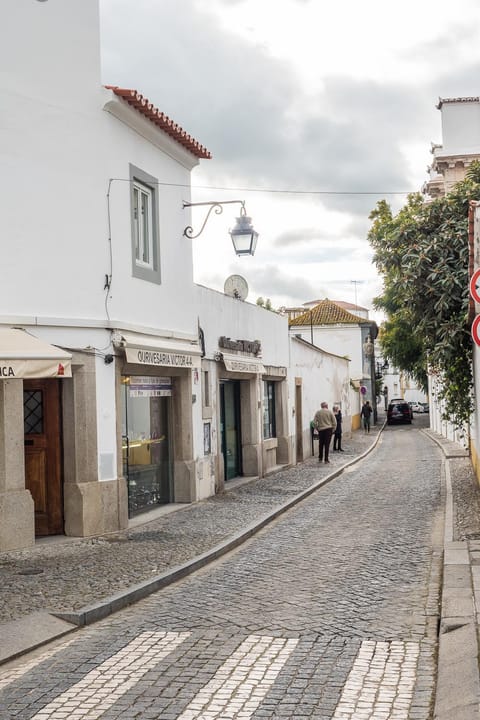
<point x="123" y="385"/>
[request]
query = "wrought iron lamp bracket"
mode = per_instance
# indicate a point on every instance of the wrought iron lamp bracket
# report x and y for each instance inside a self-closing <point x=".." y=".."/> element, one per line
<point x="214" y="206"/>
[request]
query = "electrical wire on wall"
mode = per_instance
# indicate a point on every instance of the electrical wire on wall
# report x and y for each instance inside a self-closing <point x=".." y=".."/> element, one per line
<point x="109" y="275"/>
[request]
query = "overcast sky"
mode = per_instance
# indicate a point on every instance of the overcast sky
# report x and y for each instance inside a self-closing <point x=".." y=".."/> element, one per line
<point x="307" y="96"/>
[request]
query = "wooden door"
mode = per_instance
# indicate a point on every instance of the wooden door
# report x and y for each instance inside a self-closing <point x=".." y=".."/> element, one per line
<point x="43" y="469"/>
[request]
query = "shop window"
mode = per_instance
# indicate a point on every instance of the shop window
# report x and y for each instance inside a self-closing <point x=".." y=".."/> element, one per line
<point x="144" y="221"/>
<point x="147" y="460"/>
<point x="269" y="428"/>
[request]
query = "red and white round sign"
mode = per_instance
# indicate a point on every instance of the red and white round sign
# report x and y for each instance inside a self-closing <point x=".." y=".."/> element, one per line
<point x="476" y="330"/>
<point x="475" y="286"/>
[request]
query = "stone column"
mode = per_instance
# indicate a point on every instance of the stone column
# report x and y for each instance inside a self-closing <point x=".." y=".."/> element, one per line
<point x="184" y="473"/>
<point x="92" y="507"/>
<point x="250" y="401"/>
<point x="284" y="454"/>
<point x="17" y="514"/>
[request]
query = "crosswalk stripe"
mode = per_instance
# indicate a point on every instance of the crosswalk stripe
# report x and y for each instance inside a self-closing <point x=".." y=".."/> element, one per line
<point x="103" y="686"/>
<point x="381" y="682"/>
<point x="240" y="684"/>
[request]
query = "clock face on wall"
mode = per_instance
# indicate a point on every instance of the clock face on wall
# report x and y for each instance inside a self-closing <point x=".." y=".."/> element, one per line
<point x="236" y="286"/>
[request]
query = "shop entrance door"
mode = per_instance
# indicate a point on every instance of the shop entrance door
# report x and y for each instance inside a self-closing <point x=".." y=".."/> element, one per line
<point x="146" y="433"/>
<point x="230" y="428"/>
<point x="43" y="443"/>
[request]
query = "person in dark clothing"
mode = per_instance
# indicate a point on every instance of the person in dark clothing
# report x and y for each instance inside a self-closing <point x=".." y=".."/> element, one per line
<point x="366" y="412"/>
<point x="337" y="436"/>
<point x="325" y="422"/>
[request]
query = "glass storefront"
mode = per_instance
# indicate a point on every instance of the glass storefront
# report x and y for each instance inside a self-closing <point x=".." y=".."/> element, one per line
<point x="146" y="412"/>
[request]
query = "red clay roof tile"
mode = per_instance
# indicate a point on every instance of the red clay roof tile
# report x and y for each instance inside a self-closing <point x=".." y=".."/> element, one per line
<point x="162" y="121"/>
<point x="326" y="313"/>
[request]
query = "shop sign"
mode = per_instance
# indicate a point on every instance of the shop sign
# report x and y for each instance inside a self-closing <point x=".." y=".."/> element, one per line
<point x="145" y="387"/>
<point x="275" y="371"/>
<point x="250" y="346"/>
<point x="243" y="364"/>
<point x="159" y="357"/>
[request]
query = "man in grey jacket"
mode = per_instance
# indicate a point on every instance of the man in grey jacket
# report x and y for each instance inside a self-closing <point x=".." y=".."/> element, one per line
<point x="325" y="422"/>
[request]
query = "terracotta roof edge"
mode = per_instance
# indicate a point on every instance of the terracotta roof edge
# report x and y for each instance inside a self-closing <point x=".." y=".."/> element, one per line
<point x="143" y="106"/>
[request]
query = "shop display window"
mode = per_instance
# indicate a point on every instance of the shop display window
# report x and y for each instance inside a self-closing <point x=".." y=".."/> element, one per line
<point x="146" y="410"/>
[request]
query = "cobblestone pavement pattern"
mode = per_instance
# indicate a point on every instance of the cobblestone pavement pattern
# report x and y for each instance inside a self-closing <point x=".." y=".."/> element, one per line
<point x="69" y="575"/>
<point x="329" y="612"/>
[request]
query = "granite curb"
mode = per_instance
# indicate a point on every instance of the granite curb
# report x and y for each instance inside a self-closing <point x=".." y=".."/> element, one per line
<point x="14" y="635"/>
<point x="458" y="676"/>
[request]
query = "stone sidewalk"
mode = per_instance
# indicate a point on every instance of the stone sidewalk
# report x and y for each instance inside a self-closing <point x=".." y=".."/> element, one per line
<point x="458" y="679"/>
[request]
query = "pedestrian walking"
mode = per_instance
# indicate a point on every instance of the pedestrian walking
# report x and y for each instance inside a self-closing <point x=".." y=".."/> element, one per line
<point x="337" y="433"/>
<point x="325" y="422"/>
<point x="366" y="412"/>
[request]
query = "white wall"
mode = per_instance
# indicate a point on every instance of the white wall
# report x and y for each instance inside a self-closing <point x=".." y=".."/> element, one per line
<point x="325" y="377"/>
<point x="345" y="341"/>
<point x="219" y="314"/>
<point x="59" y="147"/>
<point x="460" y="128"/>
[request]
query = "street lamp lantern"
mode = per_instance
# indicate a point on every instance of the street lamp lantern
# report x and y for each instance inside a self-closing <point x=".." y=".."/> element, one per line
<point x="244" y="236"/>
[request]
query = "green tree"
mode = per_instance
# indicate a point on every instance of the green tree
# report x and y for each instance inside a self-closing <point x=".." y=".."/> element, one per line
<point x="422" y="255"/>
<point x="267" y="304"/>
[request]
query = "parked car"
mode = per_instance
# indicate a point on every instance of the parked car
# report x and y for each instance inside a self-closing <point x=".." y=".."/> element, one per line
<point x="426" y="407"/>
<point x="399" y="411"/>
<point x="416" y="407"/>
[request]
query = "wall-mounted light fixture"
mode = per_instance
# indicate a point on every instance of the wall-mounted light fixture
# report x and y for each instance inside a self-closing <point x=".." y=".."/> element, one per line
<point x="244" y="237"/>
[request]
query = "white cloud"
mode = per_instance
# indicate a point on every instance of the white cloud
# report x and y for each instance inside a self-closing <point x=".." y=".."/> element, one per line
<point x="298" y="95"/>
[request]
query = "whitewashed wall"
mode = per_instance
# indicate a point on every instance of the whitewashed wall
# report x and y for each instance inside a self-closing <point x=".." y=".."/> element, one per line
<point x="460" y="128"/>
<point x="58" y="151"/>
<point x="325" y="377"/>
<point x="345" y="341"/>
<point x="221" y="315"/>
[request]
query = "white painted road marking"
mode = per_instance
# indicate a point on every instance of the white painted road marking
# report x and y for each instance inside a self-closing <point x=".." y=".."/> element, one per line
<point x="102" y="687"/>
<point x="241" y="683"/>
<point x="381" y="681"/>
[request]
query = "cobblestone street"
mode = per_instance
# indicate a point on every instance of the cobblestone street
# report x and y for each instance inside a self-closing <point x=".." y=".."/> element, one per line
<point x="329" y="612"/>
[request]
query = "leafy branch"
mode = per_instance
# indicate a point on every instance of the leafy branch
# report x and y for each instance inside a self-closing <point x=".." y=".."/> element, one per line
<point x="422" y="254"/>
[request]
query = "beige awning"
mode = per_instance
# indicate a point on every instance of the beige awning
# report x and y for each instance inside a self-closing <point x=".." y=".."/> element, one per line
<point x="239" y="363"/>
<point x="160" y="352"/>
<point x="25" y="356"/>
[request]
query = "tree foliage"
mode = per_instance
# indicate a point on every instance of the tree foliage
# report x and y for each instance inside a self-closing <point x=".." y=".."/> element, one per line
<point x="422" y="254"/>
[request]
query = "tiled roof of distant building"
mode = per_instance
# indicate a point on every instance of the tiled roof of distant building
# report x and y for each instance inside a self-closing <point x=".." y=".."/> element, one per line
<point x="162" y="121"/>
<point x="326" y="312"/>
<point x="444" y="101"/>
<point x="350" y="306"/>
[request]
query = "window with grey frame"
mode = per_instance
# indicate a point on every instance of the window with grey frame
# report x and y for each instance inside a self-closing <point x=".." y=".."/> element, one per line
<point x="144" y="222"/>
<point x="269" y="425"/>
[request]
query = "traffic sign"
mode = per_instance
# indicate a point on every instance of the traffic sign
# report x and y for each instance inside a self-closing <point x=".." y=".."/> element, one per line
<point x="363" y="389"/>
<point x="476" y="330"/>
<point x="475" y="286"/>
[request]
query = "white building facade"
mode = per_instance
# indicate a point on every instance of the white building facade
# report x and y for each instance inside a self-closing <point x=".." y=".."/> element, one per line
<point x="95" y="267"/>
<point x="123" y="385"/>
